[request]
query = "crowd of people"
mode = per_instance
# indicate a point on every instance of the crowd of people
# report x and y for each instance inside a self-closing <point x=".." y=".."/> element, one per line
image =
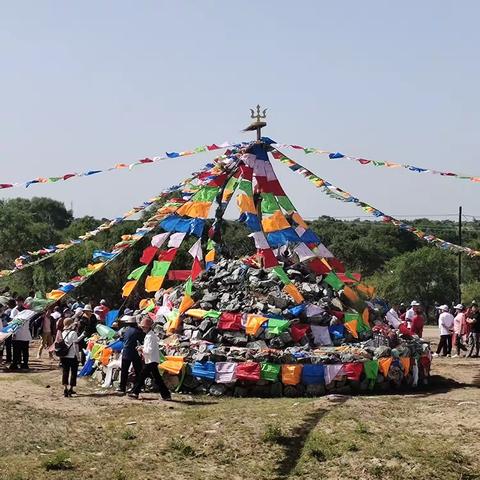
<point x="459" y="326"/>
<point x="64" y="331"/>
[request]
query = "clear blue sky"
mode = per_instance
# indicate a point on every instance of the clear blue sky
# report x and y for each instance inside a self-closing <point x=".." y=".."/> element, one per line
<point x="90" y="84"/>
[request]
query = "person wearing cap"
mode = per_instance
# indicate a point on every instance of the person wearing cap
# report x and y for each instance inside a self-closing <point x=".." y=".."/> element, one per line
<point x="410" y="313"/>
<point x="473" y="320"/>
<point x="132" y="337"/>
<point x="459" y="329"/>
<point x="69" y="361"/>
<point x="86" y="328"/>
<point x="102" y="310"/>
<point x="151" y="358"/>
<point x="445" y="326"/>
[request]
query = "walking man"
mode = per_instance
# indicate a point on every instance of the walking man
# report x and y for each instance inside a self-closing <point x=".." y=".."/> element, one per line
<point x="445" y="326"/>
<point x="151" y="357"/>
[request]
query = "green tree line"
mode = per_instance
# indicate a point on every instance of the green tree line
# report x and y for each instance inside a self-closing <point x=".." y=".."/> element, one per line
<point x="397" y="263"/>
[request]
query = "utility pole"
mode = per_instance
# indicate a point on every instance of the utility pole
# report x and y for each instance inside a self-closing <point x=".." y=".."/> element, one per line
<point x="460" y="255"/>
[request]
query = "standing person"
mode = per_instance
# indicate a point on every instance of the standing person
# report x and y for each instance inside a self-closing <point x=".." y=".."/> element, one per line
<point x="445" y="326"/>
<point x="102" y="310"/>
<point x="87" y="327"/>
<point x="21" y="339"/>
<point x="410" y="313"/>
<point x="132" y="337"/>
<point x="418" y="322"/>
<point x="70" y="360"/>
<point x="151" y="357"/>
<point x="393" y="318"/>
<point x="459" y="329"/>
<point x="473" y="319"/>
<point x="29" y="299"/>
<point x="5" y="320"/>
<point x="47" y="331"/>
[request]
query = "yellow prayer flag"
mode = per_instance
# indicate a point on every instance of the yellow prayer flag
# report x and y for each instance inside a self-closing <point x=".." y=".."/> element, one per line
<point x="153" y="284"/>
<point x="128" y="287"/>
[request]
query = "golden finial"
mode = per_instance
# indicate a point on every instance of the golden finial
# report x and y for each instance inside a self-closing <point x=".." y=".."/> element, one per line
<point x="259" y="122"/>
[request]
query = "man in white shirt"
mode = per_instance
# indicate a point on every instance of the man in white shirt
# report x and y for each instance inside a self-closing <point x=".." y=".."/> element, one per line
<point x="21" y="339"/>
<point x="392" y="317"/>
<point x="411" y="312"/>
<point x="151" y="357"/>
<point x="445" y="326"/>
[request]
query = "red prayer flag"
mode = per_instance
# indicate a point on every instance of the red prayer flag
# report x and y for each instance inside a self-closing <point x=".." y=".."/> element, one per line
<point x="246" y="171"/>
<point x="167" y="255"/>
<point x="336" y="264"/>
<point x="298" y="331"/>
<point x="179" y="275"/>
<point x="196" y="268"/>
<point x="148" y="255"/>
<point x="212" y="147"/>
<point x="353" y="371"/>
<point x="269" y="259"/>
<point x="218" y="181"/>
<point x="319" y="267"/>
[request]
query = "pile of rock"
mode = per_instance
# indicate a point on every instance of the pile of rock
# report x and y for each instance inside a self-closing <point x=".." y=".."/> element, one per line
<point x="245" y="321"/>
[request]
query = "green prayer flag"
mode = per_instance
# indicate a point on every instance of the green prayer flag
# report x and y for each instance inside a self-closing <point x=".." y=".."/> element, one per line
<point x="308" y="150"/>
<point x="277" y="325"/>
<point x="212" y="314"/>
<point x="362" y="326"/>
<point x="246" y="187"/>
<point x="137" y="273"/>
<point x="352" y="316"/>
<point x="160" y="269"/>
<point x="85" y="272"/>
<point x="269" y="371"/>
<point x="371" y="371"/>
<point x="332" y="280"/>
<point x="188" y="287"/>
<point x="232" y="183"/>
<point x="285" y="203"/>
<point x="201" y="149"/>
<point x="210" y="245"/>
<point x="281" y="274"/>
<point x="269" y="203"/>
<point x="206" y="194"/>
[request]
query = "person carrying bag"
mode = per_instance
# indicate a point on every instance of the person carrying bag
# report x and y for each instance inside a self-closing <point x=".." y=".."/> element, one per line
<point x="66" y="347"/>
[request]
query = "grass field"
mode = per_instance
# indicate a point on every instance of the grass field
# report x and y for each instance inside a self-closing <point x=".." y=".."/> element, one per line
<point x="431" y="434"/>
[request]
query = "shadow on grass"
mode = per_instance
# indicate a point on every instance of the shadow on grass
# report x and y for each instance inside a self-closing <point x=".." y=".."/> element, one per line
<point x="294" y="443"/>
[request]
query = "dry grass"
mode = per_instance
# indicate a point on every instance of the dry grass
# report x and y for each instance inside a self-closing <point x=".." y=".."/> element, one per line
<point x="424" y="436"/>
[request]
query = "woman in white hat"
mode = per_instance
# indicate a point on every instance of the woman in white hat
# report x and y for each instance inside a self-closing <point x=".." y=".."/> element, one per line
<point x="459" y="329"/>
<point x="69" y="361"/>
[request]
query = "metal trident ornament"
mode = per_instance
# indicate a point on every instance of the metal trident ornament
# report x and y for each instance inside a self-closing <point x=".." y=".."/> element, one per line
<point x="259" y="116"/>
<point x="259" y="121"/>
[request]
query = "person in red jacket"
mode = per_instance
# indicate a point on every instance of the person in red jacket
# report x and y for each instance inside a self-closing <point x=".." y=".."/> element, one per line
<point x="418" y="322"/>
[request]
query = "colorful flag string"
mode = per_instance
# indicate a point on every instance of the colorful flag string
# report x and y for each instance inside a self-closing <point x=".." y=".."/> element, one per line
<point x="119" y="166"/>
<point x="342" y="195"/>
<point x="375" y="163"/>
<point x="128" y="241"/>
<point x="28" y="259"/>
<point x="35" y="257"/>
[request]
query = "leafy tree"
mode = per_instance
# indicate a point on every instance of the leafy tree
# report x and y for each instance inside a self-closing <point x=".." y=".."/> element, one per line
<point x="427" y="275"/>
<point x="471" y="291"/>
